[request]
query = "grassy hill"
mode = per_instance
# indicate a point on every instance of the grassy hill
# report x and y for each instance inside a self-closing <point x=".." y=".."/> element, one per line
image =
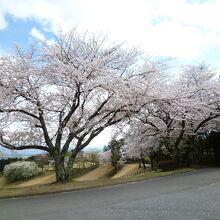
<point x="104" y="171"/>
<point x="83" y="179"/>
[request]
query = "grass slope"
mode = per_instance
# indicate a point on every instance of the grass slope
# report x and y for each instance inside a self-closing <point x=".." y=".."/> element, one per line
<point x="40" y="180"/>
<point x="2" y="181"/>
<point x="98" y="173"/>
<point x="12" y="191"/>
<point x="126" y="170"/>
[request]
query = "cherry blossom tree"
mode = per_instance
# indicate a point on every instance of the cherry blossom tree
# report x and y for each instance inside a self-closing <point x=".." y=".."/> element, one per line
<point x="154" y="129"/>
<point x="199" y="88"/>
<point x="105" y="157"/>
<point x="185" y="108"/>
<point x="62" y="93"/>
<point x="200" y="84"/>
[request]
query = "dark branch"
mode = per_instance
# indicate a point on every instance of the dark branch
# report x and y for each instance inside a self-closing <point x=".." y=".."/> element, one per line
<point x="99" y="109"/>
<point x="22" y="147"/>
<point x="20" y="111"/>
<point x="205" y="121"/>
<point x="180" y="137"/>
<point x="44" y="128"/>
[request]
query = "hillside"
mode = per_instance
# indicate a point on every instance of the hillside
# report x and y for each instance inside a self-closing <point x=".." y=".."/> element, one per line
<point x="105" y="171"/>
<point x="99" y="172"/>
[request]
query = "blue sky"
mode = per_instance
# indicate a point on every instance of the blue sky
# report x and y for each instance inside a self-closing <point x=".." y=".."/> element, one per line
<point x="186" y="30"/>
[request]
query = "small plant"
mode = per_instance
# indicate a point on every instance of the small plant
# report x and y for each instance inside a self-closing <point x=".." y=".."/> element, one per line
<point x="21" y="170"/>
<point x="167" y="165"/>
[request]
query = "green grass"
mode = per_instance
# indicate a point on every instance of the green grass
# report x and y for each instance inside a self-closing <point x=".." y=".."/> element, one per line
<point x="12" y="191"/>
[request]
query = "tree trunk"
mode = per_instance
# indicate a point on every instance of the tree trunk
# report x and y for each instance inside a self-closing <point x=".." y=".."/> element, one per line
<point x="151" y="163"/>
<point x="60" y="169"/>
<point x="143" y="162"/>
<point x="69" y="167"/>
<point x="63" y="171"/>
<point x="139" y="162"/>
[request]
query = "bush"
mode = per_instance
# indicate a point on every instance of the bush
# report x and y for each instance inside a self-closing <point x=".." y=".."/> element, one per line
<point x="21" y="170"/>
<point x="167" y="165"/>
<point x="4" y="162"/>
<point x="41" y="160"/>
<point x="147" y="160"/>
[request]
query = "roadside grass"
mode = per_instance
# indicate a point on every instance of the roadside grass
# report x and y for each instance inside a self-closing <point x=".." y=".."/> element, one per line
<point x="11" y="190"/>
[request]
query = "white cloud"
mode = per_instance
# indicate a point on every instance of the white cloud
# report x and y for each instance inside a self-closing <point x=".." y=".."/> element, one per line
<point x="3" y="23"/>
<point x="102" y="139"/>
<point x="173" y="28"/>
<point x="37" y="34"/>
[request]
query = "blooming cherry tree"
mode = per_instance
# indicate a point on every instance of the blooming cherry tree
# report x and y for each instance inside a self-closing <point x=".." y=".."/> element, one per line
<point x="61" y="94"/>
<point x="185" y="107"/>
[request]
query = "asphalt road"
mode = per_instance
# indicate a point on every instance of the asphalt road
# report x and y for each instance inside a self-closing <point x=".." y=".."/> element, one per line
<point x="194" y="195"/>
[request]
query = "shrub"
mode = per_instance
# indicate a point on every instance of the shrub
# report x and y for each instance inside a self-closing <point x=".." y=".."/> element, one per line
<point x="21" y="170"/>
<point x="41" y="159"/>
<point x="167" y="165"/>
<point x="147" y="160"/>
<point x="4" y="162"/>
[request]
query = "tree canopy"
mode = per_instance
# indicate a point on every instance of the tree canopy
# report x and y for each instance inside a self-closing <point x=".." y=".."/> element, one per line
<point x="60" y="94"/>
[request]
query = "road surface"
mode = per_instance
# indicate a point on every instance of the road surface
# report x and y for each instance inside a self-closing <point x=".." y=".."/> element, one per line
<point x="194" y="195"/>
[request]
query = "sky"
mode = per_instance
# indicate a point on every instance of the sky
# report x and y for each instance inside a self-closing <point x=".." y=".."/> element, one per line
<point x="187" y="31"/>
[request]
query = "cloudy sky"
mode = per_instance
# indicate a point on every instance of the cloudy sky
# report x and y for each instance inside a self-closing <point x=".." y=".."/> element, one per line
<point x="187" y="30"/>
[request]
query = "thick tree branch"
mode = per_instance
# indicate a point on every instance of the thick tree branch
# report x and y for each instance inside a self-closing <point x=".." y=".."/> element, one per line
<point x="180" y="137"/>
<point x="205" y="121"/>
<point x="22" y="147"/>
<point x="44" y="128"/>
<point x="20" y="111"/>
<point x="63" y="123"/>
<point x="99" y="109"/>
